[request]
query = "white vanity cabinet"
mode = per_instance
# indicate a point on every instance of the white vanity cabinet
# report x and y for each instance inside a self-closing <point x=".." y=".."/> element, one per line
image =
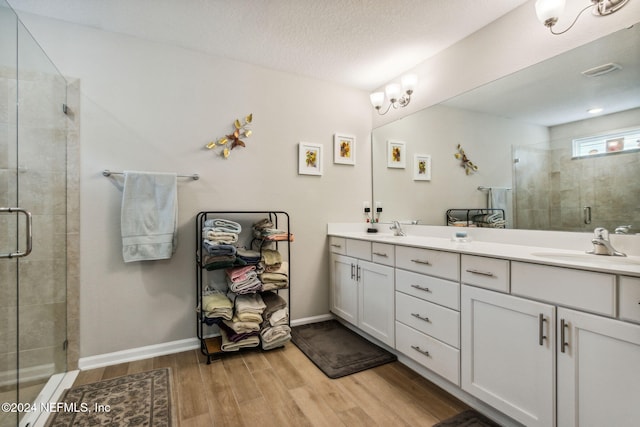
<point x="598" y="371"/>
<point x="508" y="354"/>
<point x="362" y="291"/>
<point x="427" y="309"/>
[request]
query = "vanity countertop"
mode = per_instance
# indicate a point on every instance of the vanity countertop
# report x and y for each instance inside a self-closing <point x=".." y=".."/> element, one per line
<point x="629" y="265"/>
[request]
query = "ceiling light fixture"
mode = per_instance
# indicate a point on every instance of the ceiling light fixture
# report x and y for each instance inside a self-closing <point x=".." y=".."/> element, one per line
<point x="399" y="95"/>
<point x="548" y="11"/>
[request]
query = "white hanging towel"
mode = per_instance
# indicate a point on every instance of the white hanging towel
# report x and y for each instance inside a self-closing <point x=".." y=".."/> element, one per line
<point x="497" y="199"/>
<point x="149" y="216"/>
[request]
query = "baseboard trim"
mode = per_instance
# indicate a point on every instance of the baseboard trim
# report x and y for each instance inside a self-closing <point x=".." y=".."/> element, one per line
<point x="312" y="319"/>
<point x="139" y="353"/>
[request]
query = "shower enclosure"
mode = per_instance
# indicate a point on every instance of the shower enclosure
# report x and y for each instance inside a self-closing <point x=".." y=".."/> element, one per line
<point x="33" y="221"/>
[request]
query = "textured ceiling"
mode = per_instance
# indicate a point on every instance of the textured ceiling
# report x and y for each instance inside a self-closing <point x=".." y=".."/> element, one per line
<point x="359" y="43"/>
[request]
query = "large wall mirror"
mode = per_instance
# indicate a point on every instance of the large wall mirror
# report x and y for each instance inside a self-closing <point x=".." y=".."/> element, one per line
<point x="520" y="132"/>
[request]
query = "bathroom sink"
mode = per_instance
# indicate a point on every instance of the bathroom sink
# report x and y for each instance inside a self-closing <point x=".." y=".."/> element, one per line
<point x="588" y="258"/>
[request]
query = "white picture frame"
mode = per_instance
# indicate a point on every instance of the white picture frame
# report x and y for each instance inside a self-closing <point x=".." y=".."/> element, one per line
<point x="309" y="158"/>
<point x="422" y="167"/>
<point x="344" y="149"/>
<point x="396" y="154"/>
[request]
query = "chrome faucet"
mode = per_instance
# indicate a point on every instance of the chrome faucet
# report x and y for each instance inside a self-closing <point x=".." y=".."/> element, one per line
<point x="397" y="229"/>
<point x="623" y="229"/>
<point x="602" y="245"/>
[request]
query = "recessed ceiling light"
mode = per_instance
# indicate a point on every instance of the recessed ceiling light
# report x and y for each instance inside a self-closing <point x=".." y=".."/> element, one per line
<point x="594" y="110"/>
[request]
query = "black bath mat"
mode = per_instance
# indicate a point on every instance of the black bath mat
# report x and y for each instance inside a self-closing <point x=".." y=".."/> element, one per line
<point x="337" y="350"/>
<point x="468" y="418"/>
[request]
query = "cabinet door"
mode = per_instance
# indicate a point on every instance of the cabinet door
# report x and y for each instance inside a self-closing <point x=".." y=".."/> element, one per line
<point x="376" y="305"/>
<point x="598" y="371"/>
<point x="508" y="354"/>
<point x="344" y="288"/>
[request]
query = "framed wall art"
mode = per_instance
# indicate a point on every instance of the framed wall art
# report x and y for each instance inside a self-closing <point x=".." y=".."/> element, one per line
<point x="421" y="167"/>
<point x="396" y="154"/>
<point x="344" y="149"/>
<point x="309" y="159"/>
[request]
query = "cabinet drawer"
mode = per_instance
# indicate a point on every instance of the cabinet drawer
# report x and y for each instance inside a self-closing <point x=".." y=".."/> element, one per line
<point x="586" y="290"/>
<point x="437" y="356"/>
<point x="485" y="272"/>
<point x="439" y="291"/>
<point x="428" y="261"/>
<point x="383" y="253"/>
<point x="338" y="245"/>
<point x="434" y="320"/>
<point x="630" y="298"/>
<point x="359" y="249"/>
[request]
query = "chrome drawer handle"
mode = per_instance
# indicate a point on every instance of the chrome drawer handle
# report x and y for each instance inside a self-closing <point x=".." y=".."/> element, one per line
<point x="380" y="254"/>
<point x="419" y="261"/>
<point x="421" y="288"/>
<point x="419" y="350"/>
<point x="335" y="245"/>
<point x="563" y="343"/>
<point x="417" y="316"/>
<point x="483" y="273"/>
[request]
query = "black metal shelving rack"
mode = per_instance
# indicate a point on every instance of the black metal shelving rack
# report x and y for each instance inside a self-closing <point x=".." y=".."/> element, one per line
<point x="467" y="215"/>
<point x="210" y="346"/>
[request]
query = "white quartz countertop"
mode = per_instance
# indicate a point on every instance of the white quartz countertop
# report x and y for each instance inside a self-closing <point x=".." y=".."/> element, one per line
<point x="629" y="265"/>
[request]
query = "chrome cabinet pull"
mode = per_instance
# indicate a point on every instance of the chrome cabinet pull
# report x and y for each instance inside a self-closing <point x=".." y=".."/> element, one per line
<point x="541" y="335"/>
<point x="28" y="233"/>
<point x="417" y="316"/>
<point x="335" y="245"/>
<point x="381" y="254"/>
<point x="353" y="274"/>
<point x="358" y="273"/>
<point x="563" y="343"/>
<point x="419" y="350"/>
<point x="420" y="261"/>
<point x="586" y="211"/>
<point x="421" y="288"/>
<point x="483" y="273"/>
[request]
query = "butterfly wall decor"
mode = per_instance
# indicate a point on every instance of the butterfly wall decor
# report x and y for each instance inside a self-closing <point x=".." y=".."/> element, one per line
<point x="232" y="140"/>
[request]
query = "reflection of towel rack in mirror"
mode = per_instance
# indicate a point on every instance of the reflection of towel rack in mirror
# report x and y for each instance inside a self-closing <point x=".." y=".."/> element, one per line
<point x="107" y="172"/>
<point x="482" y="188"/>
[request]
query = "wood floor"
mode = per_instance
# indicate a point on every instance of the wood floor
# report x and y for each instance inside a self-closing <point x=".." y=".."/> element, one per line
<point x="283" y="388"/>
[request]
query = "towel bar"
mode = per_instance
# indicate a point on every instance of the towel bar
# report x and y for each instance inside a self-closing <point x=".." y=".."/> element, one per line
<point x="107" y="172"/>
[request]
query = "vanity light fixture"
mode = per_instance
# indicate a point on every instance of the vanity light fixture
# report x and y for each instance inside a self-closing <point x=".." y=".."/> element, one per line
<point x="399" y="95"/>
<point x="548" y="11"/>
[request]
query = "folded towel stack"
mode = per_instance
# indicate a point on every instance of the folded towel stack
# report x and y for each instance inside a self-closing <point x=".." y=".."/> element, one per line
<point x="264" y="230"/>
<point x="249" y="256"/>
<point x="219" y="239"/>
<point x="271" y="259"/>
<point x="216" y="305"/>
<point x="277" y="279"/>
<point x="243" y="280"/>
<point x="234" y="342"/>
<point x="249" y="308"/>
<point x="275" y="330"/>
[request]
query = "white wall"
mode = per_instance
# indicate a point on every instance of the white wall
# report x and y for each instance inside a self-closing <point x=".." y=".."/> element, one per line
<point x="148" y="106"/>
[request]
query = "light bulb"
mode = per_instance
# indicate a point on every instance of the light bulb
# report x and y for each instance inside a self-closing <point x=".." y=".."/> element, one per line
<point x="377" y="98"/>
<point x="393" y="91"/>
<point x="548" y="11"/>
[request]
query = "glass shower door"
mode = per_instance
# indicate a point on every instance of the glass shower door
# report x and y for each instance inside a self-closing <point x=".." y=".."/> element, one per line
<point x="33" y="220"/>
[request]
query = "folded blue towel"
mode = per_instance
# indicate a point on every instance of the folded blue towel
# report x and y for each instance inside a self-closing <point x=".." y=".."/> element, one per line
<point x="218" y="250"/>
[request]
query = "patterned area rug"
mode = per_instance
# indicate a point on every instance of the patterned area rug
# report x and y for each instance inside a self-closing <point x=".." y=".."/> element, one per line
<point x="337" y="350"/>
<point x="468" y="418"/>
<point x="143" y="399"/>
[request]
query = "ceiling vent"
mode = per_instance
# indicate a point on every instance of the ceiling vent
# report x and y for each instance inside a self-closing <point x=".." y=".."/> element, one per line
<point x="602" y="69"/>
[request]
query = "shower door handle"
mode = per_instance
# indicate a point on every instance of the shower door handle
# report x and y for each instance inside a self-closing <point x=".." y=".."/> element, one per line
<point x="29" y="233"/>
